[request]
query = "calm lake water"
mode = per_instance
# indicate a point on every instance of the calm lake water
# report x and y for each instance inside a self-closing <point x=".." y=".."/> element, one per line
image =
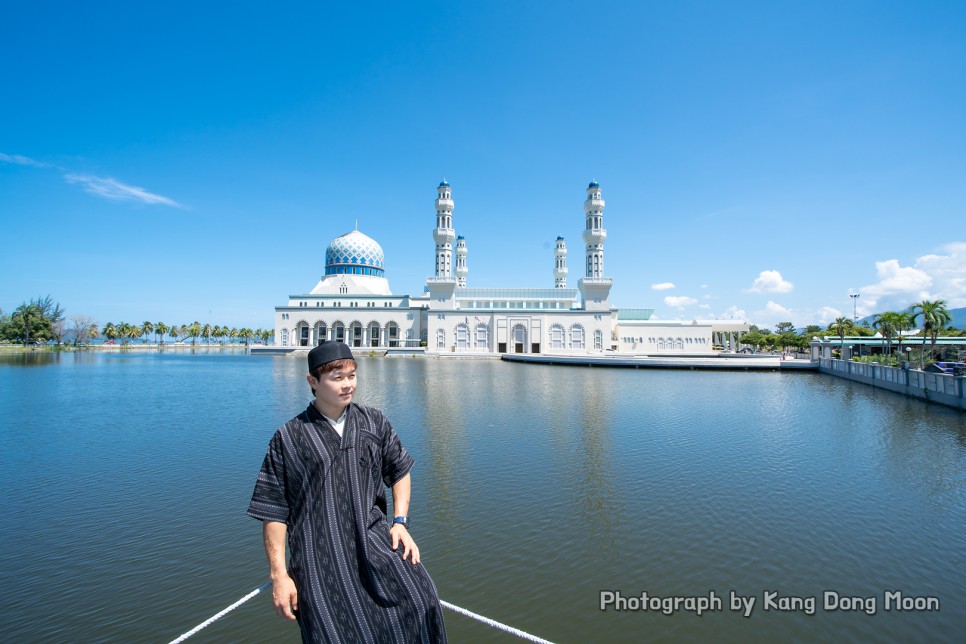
<point x="126" y="478"/>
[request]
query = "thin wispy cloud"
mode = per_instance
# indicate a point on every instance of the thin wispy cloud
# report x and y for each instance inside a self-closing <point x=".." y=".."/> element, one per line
<point x="663" y="286"/>
<point x="116" y="191"/>
<point x="18" y="159"/>
<point x="104" y="187"/>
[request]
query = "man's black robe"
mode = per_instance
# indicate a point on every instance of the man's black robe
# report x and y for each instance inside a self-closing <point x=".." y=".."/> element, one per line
<point x="330" y="492"/>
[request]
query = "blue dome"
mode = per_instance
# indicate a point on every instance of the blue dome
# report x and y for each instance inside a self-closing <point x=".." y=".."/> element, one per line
<point x="444" y="184"/>
<point x="354" y="254"/>
<point x="594" y="184"/>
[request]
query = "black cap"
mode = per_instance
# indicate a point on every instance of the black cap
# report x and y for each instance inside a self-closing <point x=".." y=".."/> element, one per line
<point x="327" y="352"/>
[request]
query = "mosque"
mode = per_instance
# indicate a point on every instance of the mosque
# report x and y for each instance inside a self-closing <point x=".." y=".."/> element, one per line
<point x="353" y="303"/>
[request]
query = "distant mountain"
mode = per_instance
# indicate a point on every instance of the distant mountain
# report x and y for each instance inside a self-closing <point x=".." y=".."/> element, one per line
<point x="958" y="321"/>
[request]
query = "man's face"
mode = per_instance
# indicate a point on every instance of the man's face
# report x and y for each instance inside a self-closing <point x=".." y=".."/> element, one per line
<point x="334" y="390"/>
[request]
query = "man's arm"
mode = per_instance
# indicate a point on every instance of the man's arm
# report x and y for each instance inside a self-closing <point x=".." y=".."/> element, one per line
<point x="401" y="491"/>
<point x="284" y="595"/>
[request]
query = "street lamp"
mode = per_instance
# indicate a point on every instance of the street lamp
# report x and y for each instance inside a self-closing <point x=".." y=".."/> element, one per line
<point x="855" y="297"/>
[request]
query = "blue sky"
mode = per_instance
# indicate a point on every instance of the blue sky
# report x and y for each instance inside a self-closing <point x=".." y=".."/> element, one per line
<point x="191" y="161"/>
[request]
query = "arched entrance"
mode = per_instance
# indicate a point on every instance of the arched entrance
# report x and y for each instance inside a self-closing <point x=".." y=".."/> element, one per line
<point x="519" y="338"/>
<point x="373" y="334"/>
<point x="355" y="334"/>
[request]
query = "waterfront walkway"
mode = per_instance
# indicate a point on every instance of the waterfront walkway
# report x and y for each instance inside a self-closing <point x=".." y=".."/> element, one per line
<point x="727" y="362"/>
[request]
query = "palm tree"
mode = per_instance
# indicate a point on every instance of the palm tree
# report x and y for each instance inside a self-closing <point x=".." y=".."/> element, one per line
<point x="841" y="326"/>
<point x="206" y="331"/>
<point x="935" y="316"/>
<point x="193" y="330"/>
<point x="109" y="331"/>
<point x="159" y="330"/>
<point x="92" y="333"/>
<point x="247" y="334"/>
<point x="147" y="328"/>
<point x="888" y="324"/>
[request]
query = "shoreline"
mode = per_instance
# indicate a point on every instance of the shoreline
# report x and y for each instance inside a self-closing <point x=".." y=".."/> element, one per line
<point x="19" y="348"/>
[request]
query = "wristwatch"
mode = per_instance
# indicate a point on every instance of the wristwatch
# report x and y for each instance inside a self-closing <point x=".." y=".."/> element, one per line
<point x="403" y="520"/>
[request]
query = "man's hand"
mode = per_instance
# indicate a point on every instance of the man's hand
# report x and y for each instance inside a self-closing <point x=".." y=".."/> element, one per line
<point x="285" y="597"/>
<point x="399" y="534"/>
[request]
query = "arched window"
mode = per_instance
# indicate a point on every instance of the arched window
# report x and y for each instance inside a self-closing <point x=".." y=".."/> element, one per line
<point x="482" y="336"/>
<point x="462" y="337"/>
<point x="577" y="337"/>
<point x="599" y="340"/>
<point x="338" y="332"/>
<point x="284" y="337"/>
<point x="660" y="344"/>
<point x="440" y="339"/>
<point x="679" y="344"/>
<point x="322" y="332"/>
<point x="392" y="334"/>
<point x="374" y="334"/>
<point x="556" y="336"/>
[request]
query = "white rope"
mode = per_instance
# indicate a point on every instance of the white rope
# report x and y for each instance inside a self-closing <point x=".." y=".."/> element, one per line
<point x="462" y="611"/>
<point x="495" y="624"/>
<point x="215" y="618"/>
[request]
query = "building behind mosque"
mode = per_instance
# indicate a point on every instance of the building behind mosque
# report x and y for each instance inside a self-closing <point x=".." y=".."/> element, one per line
<point x="353" y="303"/>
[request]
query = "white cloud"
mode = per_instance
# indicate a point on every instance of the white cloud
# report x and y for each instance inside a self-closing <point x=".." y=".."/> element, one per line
<point x="771" y="282"/>
<point x="663" y="286"/>
<point x="17" y="159"/>
<point x="778" y="309"/>
<point x="704" y="306"/>
<point x="679" y="301"/>
<point x="935" y="276"/>
<point x="704" y="286"/>
<point x="824" y="316"/>
<point x="117" y="191"/>
<point x="734" y="313"/>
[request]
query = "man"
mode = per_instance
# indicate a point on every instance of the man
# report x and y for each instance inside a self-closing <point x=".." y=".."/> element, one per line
<point x="321" y="488"/>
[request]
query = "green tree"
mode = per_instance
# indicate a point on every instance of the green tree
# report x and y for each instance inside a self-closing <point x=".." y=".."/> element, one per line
<point x="206" y="331"/>
<point x="93" y="333"/>
<point x="159" y="330"/>
<point x="193" y="330"/>
<point x="110" y="331"/>
<point x="840" y="327"/>
<point x="147" y="328"/>
<point x="784" y="327"/>
<point x="890" y="324"/>
<point x="934" y="316"/>
<point x="26" y="324"/>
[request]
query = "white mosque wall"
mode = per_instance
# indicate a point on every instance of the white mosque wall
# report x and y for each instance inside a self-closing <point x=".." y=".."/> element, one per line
<point x="359" y="327"/>
<point x="469" y="331"/>
<point x="655" y="337"/>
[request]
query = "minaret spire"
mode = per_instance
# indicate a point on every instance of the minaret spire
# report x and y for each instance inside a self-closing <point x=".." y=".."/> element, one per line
<point x="461" y="268"/>
<point x="560" y="264"/>
<point x="444" y="233"/>
<point x="594" y="287"/>
<point x="594" y="233"/>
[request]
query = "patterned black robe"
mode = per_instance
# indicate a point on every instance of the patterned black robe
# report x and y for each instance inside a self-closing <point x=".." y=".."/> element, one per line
<point x="330" y="492"/>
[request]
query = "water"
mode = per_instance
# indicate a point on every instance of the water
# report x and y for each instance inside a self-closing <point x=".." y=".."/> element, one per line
<point x="126" y="479"/>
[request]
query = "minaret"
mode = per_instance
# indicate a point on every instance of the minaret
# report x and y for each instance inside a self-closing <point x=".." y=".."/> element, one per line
<point x="560" y="264"/>
<point x="594" y="233"/>
<point x="444" y="233"/>
<point x="461" y="269"/>
<point x="594" y="287"/>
